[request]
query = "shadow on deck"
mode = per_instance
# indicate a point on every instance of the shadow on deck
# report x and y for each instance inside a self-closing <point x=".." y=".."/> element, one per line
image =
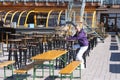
<point x="114" y="68"/>
<point x="115" y="56"/>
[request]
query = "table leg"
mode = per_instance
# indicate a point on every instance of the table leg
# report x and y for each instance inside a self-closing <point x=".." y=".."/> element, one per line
<point x="34" y="72"/>
<point x="4" y="72"/>
<point x="51" y="66"/>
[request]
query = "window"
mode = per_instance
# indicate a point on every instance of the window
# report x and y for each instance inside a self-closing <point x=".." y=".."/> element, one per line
<point x="112" y="15"/>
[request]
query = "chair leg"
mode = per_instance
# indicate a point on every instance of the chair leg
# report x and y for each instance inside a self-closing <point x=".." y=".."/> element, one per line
<point x="25" y="55"/>
<point x="84" y="58"/>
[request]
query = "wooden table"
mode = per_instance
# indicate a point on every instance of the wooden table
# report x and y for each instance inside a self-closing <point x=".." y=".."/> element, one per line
<point x="49" y="56"/>
<point x="15" y="34"/>
<point x="38" y="37"/>
<point x="14" y="40"/>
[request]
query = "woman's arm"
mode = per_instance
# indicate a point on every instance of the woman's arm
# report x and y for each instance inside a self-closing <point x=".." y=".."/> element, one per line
<point x="81" y="34"/>
<point x="72" y="37"/>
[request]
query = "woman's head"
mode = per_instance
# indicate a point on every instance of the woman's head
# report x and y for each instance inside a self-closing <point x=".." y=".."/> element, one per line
<point x="77" y="28"/>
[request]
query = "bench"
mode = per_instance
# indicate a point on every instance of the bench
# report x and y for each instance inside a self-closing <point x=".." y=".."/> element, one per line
<point x="68" y="70"/>
<point x="5" y="65"/>
<point x="28" y="67"/>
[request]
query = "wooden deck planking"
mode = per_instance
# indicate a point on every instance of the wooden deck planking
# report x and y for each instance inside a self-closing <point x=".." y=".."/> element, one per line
<point x="99" y="63"/>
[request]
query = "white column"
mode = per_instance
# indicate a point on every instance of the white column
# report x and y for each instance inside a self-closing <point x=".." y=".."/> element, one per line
<point x="82" y="10"/>
<point x="74" y="17"/>
<point x="66" y="15"/>
<point x="101" y="1"/>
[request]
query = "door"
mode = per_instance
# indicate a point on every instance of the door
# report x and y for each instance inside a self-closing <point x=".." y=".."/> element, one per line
<point x="111" y="24"/>
<point x="110" y="21"/>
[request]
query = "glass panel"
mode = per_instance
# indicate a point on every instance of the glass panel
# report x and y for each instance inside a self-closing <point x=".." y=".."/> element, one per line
<point x="62" y="20"/>
<point x="51" y="0"/>
<point x="89" y="21"/>
<point x="8" y="0"/>
<point x="22" y="19"/>
<point x="53" y="19"/>
<point x="111" y="23"/>
<point x="118" y="15"/>
<point x="8" y="19"/>
<point x="112" y="15"/>
<point x="118" y="23"/>
<point x="104" y="19"/>
<point x="111" y="1"/>
<point x="89" y="14"/>
<point x="15" y="19"/>
<point x="41" y="19"/>
<point x="93" y="0"/>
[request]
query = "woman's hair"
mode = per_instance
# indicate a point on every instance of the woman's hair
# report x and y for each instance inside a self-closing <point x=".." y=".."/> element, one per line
<point x="71" y="23"/>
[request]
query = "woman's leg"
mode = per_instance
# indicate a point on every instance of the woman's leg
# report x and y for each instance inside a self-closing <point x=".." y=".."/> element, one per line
<point x="74" y="51"/>
<point x="76" y="46"/>
<point x="80" y="54"/>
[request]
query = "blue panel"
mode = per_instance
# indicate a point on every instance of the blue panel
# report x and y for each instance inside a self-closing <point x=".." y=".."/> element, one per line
<point x="31" y="26"/>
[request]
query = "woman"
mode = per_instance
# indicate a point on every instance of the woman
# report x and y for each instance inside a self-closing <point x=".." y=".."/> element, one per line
<point x="81" y="37"/>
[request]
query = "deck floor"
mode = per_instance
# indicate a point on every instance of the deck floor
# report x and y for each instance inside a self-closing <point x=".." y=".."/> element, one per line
<point x="102" y="64"/>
